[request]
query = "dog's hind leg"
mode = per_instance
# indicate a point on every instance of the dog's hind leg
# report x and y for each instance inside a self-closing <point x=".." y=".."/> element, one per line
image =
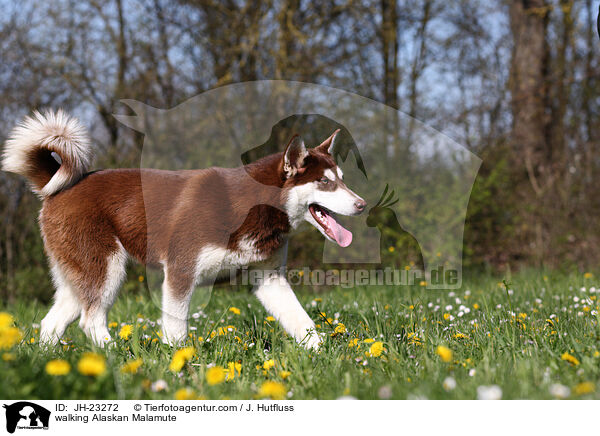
<point x="65" y="310"/>
<point x="94" y="314"/>
<point x="177" y="290"/>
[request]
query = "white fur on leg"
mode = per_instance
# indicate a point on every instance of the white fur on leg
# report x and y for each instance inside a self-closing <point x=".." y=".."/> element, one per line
<point x="64" y="311"/>
<point x="94" y="326"/>
<point x="94" y="322"/>
<point x="174" y="314"/>
<point x="279" y="300"/>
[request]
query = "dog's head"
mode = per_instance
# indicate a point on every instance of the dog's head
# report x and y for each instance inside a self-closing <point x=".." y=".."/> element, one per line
<point x="315" y="190"/>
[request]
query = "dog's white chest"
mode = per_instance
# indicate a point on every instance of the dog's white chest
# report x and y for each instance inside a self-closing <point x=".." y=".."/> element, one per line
<point x="214" y="261"/>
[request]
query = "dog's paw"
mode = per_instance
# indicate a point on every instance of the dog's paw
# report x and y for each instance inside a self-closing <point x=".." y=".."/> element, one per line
<point x="48" y="340"/>
<point x="312" y="340"/>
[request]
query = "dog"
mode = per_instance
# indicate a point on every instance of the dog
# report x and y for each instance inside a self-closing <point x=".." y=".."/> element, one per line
<point x="194" y="224"/>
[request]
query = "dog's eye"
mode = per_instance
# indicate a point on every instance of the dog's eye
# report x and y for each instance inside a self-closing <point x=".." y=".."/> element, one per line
<point x="324" y="180"/>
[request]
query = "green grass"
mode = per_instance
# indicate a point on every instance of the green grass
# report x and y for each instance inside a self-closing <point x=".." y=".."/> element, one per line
<point x="521" y="353"/>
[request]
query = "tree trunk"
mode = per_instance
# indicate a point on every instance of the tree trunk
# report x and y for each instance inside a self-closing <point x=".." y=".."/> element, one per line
<point x="528" y="21"/>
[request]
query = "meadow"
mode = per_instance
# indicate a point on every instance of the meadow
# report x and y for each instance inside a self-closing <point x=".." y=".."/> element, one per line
<point x="533" y="336"/>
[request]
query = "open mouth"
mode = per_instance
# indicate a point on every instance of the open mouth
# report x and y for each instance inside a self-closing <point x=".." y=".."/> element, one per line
<point x="331" y="227"/>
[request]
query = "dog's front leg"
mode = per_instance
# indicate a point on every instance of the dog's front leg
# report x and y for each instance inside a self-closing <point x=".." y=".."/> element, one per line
<point x="278" y="298"/>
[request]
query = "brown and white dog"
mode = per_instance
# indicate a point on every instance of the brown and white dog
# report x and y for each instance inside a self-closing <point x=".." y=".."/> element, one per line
<point x="194" y="224"/>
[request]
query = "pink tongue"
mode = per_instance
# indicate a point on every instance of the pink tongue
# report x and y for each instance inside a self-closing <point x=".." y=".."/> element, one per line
<point x="342" y="236"/>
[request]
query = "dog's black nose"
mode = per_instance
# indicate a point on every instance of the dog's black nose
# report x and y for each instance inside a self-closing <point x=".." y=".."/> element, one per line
<point x="360" y="205"/>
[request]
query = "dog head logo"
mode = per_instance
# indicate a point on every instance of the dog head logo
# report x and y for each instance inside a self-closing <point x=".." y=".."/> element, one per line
<point x="26" y="415"/>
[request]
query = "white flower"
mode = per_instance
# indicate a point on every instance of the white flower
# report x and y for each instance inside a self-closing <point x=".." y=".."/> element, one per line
<point x="493" y="392"/>
<point x="449" y="383"/>
<point x="159" y="385"/>
<point x="448" y="307"/>
<point x="472" y="372"/>
<point x="559" y="391"/>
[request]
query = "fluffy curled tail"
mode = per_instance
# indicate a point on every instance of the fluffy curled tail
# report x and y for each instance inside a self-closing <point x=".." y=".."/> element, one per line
<point x="51" y="149"/>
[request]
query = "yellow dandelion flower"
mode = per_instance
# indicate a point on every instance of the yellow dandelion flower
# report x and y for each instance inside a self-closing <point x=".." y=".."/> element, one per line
<point x="126" y="331"/>
<point x="476" y="306"/>
<point x="235" y="310"/>
<point x="185" y="394"/>
<point x="340" y="328"/>
<point x="267" y="365"/>
<point x="596" y="353"/>
<point x="6" y="320"/>
<point x="58" y="367"/>
<point x="569" y="358"/>
<point x="353" y="343"/>
<point x="369" y="341"/>
<point x="112" y="325"/>
<point x="270" y="318"/>
<point x="10" y="356"/>
<point x="141" y="279"/>
<point x="391" y="249"/>
<point x="284" y="374"/>
<point x="232" y="368"/>
<point x="584" y="388"/>
<point x="181" y="357"/>
<point x="523" y="315"/>
<point x="445" y="353"/>
<point x="92" y="364"/>
<point x="459" y="336"/>
<point x="9" y="336"/>
<point x="588" y="275"/>
<point x="132" y="366"/>
<point x="376" y="349"/>
<point x="413" y="339"/>
<point x="272" y="389"/>
<point x="215" y="375"/>
<point x="447" y="316"/>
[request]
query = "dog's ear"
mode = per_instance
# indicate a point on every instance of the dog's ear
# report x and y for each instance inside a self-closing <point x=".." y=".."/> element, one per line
<point x="328" y="145"/>
<point x="293" y="158"/>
